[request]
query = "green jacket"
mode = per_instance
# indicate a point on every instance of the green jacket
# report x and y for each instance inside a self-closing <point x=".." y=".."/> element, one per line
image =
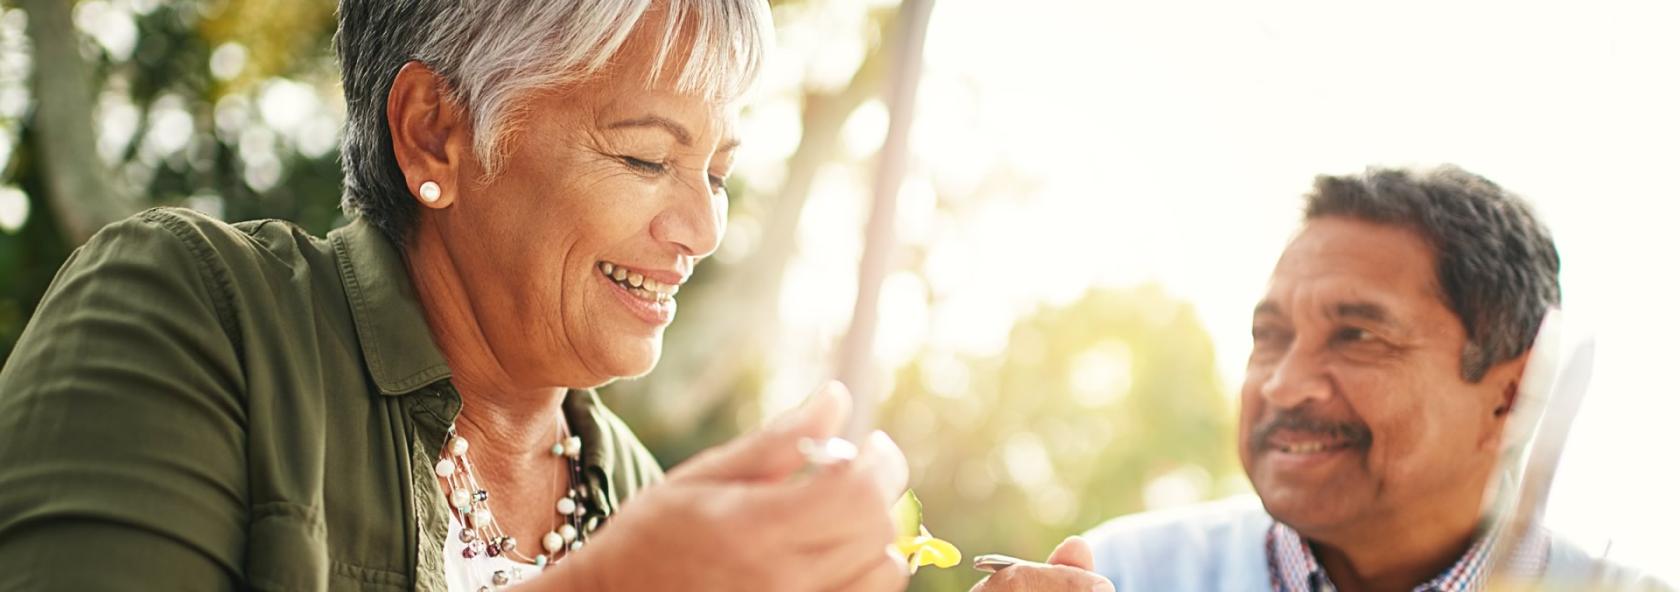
<point x="199" y="406"/>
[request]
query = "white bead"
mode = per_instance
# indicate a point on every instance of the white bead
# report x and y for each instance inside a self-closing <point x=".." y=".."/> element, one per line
<point x="552" y="542"/>
<point x="541" y="560"/>
<point x="577" y="545"/>
<point x="480" y="517"/>
<point x="458" y="446"/>
<point x="445" y="468"/>
<point x="574" y="446"/>
<point x="557" y="449"/>
<point x="460" y="498"/>
<point x="566" y="506"/>
<point x="430" y="191"/>
<point x="568" y="532"/>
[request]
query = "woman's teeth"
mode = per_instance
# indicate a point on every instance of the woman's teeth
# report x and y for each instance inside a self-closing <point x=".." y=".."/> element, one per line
<point x="641" y="287"/>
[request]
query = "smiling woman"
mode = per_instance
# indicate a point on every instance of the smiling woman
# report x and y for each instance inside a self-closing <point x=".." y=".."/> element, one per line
<point x="405" y="403"/>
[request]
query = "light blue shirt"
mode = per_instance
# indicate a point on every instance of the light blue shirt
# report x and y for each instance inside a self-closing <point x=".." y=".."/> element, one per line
<point x="1222" y="546"/>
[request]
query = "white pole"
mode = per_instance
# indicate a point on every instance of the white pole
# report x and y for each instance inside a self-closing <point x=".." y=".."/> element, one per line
<point x="856" y="366"/>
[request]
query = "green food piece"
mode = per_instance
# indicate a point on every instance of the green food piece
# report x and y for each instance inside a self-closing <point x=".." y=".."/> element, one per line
<point x="907" y="515"/>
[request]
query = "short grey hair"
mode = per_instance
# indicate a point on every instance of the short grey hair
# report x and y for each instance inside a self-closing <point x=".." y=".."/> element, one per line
<point x="1495" y="264"/>
<point x="493" y="53"/>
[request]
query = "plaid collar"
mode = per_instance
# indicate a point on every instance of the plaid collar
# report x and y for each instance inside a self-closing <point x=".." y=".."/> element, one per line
<point x="1294" y="569"/>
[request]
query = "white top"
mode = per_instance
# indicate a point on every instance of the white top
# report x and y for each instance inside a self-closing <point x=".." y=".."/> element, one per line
<point x="472" y="575"/>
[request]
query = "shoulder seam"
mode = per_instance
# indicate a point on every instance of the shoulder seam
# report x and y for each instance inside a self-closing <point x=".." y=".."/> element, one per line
<point x="215" y="277"/>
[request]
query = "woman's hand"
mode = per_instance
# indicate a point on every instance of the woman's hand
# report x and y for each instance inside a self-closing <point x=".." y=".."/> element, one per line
<point x="739" y="517"/>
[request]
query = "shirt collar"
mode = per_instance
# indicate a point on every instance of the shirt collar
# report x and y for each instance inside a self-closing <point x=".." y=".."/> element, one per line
<point x="396" y="344"/>
<point x="1293" y="567"/>
<point x="584" y="414"/>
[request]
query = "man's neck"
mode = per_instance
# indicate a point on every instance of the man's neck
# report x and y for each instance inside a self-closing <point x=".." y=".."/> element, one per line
<point x="1400" y="556"/>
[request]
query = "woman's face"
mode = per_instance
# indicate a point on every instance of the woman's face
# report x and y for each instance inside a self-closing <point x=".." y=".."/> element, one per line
<point x="610" y="192"/>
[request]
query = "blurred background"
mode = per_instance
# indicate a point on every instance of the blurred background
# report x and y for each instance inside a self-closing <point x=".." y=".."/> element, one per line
<point x="1092" y="196"/>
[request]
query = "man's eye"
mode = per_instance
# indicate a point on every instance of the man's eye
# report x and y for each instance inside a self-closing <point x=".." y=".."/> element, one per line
<point x="645" y="166"/>
<point x="717" y="183"/>
<point x="1269" y="335"/>
<point x="1353" y="335"/>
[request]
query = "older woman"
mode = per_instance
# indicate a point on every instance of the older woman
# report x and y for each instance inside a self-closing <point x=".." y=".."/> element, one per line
<point x="404" y="404"/>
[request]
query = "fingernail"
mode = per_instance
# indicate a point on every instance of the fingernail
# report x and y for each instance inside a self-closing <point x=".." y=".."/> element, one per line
<point x="881" y="438"/>
<point x="792" y="416"/>
<point x="827" y="451"/>
<point x="900" y="560"/>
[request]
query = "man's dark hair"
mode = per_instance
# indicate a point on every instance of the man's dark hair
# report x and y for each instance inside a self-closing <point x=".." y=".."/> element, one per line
<point x="1495" y="264"/>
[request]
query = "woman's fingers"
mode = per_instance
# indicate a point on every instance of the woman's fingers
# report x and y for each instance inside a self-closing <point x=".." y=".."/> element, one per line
<point x="884" y="574"/>
<point x="773" y="452"/>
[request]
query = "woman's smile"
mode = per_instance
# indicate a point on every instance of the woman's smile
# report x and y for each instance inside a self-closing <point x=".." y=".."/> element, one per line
<point x="649" y="299"/>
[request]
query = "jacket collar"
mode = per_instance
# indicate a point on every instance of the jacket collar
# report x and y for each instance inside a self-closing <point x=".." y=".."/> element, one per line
<point x="397" y="345"/>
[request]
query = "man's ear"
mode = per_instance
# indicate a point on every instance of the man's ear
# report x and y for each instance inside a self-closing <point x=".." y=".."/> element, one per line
<point x="1506" y="377"/>
<point x="1510" y="375"/>
<point x="430" y="134"/>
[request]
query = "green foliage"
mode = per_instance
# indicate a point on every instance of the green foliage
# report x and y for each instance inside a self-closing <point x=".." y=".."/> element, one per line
<point x="1089" y="405"/>
<point x="164" y="73"/>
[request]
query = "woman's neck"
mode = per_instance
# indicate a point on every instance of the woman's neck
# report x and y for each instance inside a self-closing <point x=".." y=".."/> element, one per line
<point x="503" y="414"/>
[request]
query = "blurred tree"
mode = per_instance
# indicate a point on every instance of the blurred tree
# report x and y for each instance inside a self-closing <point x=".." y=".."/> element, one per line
<point x="110" y="106"/>
<point x="77" y="184"/>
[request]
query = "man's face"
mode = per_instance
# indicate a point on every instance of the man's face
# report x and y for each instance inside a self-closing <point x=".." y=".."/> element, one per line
<point x="1354" y="412"/>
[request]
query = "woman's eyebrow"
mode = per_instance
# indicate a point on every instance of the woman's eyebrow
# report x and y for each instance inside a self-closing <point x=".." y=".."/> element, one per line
<point x="675" y="129"/>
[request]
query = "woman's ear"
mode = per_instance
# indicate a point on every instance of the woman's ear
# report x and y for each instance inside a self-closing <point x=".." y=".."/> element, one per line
<point x="430" y="134"/>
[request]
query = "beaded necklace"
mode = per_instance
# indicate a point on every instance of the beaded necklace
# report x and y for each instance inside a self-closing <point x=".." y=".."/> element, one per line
<point x="483" y="535"/>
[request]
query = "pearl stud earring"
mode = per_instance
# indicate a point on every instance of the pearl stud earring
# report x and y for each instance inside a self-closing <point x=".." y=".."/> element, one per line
<point x="430" y="191"/>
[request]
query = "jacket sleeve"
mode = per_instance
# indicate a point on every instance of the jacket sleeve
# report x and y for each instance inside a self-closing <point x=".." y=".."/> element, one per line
<point x="122" y="447"/>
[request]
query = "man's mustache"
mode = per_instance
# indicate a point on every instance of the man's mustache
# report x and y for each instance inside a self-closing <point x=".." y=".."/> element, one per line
<point x="1298" y="420"/>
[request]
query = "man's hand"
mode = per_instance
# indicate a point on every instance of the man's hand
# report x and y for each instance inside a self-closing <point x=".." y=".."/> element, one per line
<point x="1068" y="568"/>
<point x="742" y="516"/>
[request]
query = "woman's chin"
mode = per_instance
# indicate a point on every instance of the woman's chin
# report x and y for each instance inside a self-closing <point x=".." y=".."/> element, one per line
<point x="628" y="358"/>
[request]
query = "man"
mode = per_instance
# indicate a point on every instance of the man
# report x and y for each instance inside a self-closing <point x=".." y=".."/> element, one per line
<point x="1387" y="352"/>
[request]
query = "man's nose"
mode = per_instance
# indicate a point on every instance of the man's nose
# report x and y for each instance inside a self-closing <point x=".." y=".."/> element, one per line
<point x="1298" y="378"/>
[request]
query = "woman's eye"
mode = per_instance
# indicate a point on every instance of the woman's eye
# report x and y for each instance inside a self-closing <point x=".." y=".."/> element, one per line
<point x="645" y="166"/>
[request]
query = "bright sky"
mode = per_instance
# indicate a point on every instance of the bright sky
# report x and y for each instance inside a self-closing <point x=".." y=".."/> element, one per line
<point x="1170" y="142"/>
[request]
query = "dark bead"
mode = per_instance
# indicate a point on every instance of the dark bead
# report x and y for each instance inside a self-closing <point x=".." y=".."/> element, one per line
<point x="468" y="552"/>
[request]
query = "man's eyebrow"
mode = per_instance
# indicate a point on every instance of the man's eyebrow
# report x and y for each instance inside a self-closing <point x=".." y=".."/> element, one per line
<point x="1367" y="311"/>
<point x="1268" y="308"/>
<point x="676" y="129"/>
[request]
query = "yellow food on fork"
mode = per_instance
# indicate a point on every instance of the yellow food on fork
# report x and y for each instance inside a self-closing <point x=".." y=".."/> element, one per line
<point x="918" y="546"/>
